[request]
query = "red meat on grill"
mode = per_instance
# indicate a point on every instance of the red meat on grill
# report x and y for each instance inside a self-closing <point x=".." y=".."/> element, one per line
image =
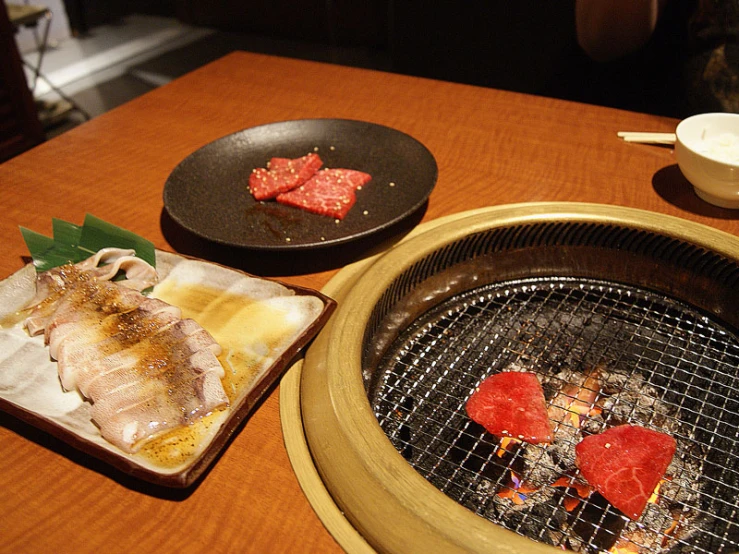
<point x="512" y="404"/>
<point x="625" y="464"/>
<point x="329" y="192"/>
<point x="284" y="174"/>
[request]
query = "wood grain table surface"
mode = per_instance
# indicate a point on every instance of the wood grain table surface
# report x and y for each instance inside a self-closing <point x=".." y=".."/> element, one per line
<point x="492" y="147"/>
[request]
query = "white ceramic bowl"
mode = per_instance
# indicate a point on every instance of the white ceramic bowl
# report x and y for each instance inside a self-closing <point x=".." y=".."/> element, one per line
<point x="707" y="152"/>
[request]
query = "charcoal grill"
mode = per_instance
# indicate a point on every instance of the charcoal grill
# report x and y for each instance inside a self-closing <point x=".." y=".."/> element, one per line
<point x="643" y="305"/>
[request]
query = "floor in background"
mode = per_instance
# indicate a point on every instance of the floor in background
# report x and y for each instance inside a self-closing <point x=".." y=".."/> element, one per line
<point x="117" y="63"/>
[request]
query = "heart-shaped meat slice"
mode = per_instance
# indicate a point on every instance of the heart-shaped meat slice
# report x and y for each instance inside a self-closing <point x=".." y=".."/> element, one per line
<point x="512" y="404"/>
<point x="625" y="464"/>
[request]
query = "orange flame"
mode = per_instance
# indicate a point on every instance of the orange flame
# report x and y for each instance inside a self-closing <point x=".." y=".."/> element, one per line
<point x="517" y="490"/>
<point x="582" y="405"/>
<point x="505" y="442"/>
<point x="671" y="530"/>
<point x="624" y="548"/>
<point x="570" y="501"/>
<point x="573" y="403"/>
<point x="655" y="494"/>
<point x="579" y="411"/>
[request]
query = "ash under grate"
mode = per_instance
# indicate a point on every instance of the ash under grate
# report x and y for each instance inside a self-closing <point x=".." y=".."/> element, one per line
<point x="656" y="362"/>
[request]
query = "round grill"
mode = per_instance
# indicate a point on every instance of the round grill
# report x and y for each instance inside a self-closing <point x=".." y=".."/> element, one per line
<point x="660" y="364"/>
<point x="628" y="316"/>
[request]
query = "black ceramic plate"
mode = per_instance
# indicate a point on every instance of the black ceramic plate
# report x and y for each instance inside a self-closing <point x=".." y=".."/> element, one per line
<point x="207" y="193"/>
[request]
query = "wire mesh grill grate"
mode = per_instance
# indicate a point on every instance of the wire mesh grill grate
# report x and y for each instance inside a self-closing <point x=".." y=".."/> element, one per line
<point x="667" y="366"/>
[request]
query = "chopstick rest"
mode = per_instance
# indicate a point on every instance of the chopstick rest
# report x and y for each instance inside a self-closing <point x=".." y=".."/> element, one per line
<point x="647" y="138"/>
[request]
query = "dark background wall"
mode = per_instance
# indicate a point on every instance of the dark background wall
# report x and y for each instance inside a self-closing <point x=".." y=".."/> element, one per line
<point x="524" y="45"/>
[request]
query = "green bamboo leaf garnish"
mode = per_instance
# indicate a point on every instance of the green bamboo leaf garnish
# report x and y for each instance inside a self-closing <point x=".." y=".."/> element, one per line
<point x="97" y="234"/>
<point x="73" y="243"/>
<point x="44" y="251"/>
<point x="66" y="239"/>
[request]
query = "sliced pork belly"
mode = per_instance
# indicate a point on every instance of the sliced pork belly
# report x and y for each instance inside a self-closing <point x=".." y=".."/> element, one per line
<point x="74" y="360"/>
<point x="51" y="286"/>
<point x="174" y="378"/>
<point x="98" y="323"/>
<point x="145" y="360"/>
<point x="143" y="367"/>
<point x="75" y="311"/>
<point x="157" y="389"/>
<point x="128" y="427"/>
<point x="81" y="278"/>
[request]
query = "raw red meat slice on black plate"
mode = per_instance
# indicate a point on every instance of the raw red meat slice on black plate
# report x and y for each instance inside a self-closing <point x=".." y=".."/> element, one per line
<point x="625" y="464"/>
<point x="284" y="174"/>
<point x="512" y="404"/>
<point x="329" y="192"/>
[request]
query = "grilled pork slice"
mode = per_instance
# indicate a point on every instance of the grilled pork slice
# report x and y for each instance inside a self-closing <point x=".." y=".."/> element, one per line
<point x="82" y="356"/>
<point x="65" y="324"/>
<point x="74" y="309"/>
<point x="135" y="411"/>
<point x="148" y="359"/>
<point x="144" y="368"/>
<point x="84" y="277"/>
<point x="133" y="423"/>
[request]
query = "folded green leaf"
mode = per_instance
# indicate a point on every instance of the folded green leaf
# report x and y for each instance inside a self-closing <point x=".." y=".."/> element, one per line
<point x="66" y="240"/>
<point x="73" y="243"/>
<point x="98" y="234"/>
<point x="41" y="248"/>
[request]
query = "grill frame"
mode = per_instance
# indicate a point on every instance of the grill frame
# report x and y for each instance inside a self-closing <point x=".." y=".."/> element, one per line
<point x="643" y="338"/>
<point x="390" y="505"/>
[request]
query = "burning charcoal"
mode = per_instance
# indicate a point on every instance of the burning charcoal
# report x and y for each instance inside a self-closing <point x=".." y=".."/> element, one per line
<point x="681" y="490"/>
<point x="576" y="397"/>
<point x="575" y="544"/>
<point x="485" y="487"/>
<point x="543" y="466"/>
<point x="592" y="425"/>
<point x="683" y="487"/>
<point x="649" y="531"/>
<point x="572" y="402"/>
<point x="525" y="516"/>
<point x="630" y="400"/>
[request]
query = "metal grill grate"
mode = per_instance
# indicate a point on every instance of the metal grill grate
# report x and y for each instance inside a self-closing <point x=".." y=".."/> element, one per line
<point x="663" y="365"/>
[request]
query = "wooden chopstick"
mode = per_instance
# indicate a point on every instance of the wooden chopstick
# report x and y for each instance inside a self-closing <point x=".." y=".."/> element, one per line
<point x="647" y="138"/>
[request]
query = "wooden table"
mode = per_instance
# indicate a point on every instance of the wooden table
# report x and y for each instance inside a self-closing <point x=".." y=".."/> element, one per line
<point x="492" y="147"/>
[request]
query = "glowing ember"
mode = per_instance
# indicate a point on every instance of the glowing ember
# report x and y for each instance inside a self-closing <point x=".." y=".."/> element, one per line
<point x="570" y="501"/>
<point x="575" y="403"/>
<point x="582" y="405"/>
<point x="670" y="531"/>
<point x="623" y="547"/>
<point x="655" y="494"/>
<point x="579" y="412"/>
<point x="506" y="446"/>
<point x="517" y="490"/>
